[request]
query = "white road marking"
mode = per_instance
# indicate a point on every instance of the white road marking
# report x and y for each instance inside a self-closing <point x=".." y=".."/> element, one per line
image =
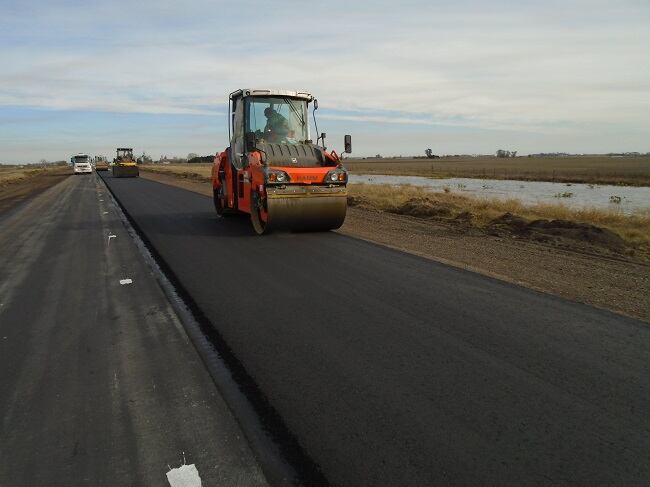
<point x="184" y="476"/>
<point x="110" y="236"/>
<point x="106" y="213"/>
<point x="125" y="281"/>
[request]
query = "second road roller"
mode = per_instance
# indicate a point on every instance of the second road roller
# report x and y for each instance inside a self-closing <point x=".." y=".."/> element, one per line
<point x="273" y="170"/>
<point x="124" y="164"/>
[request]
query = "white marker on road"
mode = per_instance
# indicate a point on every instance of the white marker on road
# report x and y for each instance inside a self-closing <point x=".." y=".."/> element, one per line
<point x="125" y="281"/>
<point x="184" y="476"/>
<point x="110" y="236"/>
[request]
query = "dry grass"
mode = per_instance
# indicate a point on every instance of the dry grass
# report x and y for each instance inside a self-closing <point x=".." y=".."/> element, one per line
<point x="633" y="171"/>
<point x="634" y="229"/>
<point x="14" y="174"/>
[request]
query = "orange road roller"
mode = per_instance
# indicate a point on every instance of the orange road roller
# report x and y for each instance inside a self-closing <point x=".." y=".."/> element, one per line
<point x="273" y="171"/>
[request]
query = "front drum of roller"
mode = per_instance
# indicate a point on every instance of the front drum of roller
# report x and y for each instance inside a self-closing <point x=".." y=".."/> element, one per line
<point x="306" y="213"/>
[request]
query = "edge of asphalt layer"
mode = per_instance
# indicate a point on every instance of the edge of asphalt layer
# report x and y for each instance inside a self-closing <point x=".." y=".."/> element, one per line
<point x="282" y="459"/>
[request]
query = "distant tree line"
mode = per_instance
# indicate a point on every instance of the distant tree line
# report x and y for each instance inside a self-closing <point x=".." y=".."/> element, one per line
<point x="191" y="158"/>
<point x="201" y="159"/>
<point x="430" y="155"/>
<point x="506" y="153"/>
<point x="45" y="162"/>
<point x="627" y="154"/>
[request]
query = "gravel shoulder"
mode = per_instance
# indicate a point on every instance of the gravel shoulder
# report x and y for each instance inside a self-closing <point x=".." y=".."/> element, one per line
<point x="617" y="284"/>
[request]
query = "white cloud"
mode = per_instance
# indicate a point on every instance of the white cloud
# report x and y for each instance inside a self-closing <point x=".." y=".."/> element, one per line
<point x="552" y="67"/>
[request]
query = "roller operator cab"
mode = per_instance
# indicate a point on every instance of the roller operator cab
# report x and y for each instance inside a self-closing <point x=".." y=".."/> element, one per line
<point x="273" y="170"/>
<point x="81" y="164"/>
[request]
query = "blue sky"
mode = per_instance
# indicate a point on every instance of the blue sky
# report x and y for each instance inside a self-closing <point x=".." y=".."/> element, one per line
<point x="456" y="76"/>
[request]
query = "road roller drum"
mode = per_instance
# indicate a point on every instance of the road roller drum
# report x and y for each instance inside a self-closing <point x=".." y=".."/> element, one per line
<point x="303" y="209"/>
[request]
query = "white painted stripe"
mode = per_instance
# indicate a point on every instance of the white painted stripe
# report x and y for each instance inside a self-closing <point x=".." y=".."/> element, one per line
<point x="125" y="281"/>
<point x="184" y="476"/>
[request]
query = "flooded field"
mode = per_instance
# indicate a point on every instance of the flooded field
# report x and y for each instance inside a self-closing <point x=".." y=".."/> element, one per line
<point x="625" y="198"/>
<point x="591" y="169"/>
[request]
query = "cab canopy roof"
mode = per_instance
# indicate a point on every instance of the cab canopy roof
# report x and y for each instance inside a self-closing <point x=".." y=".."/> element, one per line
<point x="244" y="92"/>
<point x="124" y="148"/>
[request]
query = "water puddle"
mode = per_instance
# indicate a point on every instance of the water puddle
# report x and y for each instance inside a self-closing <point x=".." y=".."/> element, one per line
<point x="624" y="198"/>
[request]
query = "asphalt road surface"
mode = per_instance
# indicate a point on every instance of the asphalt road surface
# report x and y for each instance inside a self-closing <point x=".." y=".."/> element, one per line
<point x="99" y="384"/>
<point x="395" y="370"/>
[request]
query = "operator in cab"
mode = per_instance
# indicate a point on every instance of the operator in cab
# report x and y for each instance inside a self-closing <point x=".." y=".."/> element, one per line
<point x="277" y="127"/>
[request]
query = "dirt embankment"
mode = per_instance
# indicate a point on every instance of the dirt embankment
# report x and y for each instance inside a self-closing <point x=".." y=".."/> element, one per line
<point x="609" y="232"/>
<point x="562" y="233"/>
<point x="566" y="234"/>
<point x="577" y="261"/>
<point x="19" y="185"/>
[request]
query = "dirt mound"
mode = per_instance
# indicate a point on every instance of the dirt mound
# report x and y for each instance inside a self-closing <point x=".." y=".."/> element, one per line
<point x="357" y="201"/>
<point x="508" y="223"/>
<point x="422" y="208"/>
<point x="557" y="231"/>
<point x="196" y="176"/>
<point x="465" y="217"/>
<point x="583" y="232"/>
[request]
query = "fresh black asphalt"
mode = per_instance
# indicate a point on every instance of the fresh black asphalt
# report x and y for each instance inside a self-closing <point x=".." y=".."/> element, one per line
<point x="394" y="370"/>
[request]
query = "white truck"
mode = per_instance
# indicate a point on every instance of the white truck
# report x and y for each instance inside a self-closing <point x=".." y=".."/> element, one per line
<point x="81" y="164"/>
